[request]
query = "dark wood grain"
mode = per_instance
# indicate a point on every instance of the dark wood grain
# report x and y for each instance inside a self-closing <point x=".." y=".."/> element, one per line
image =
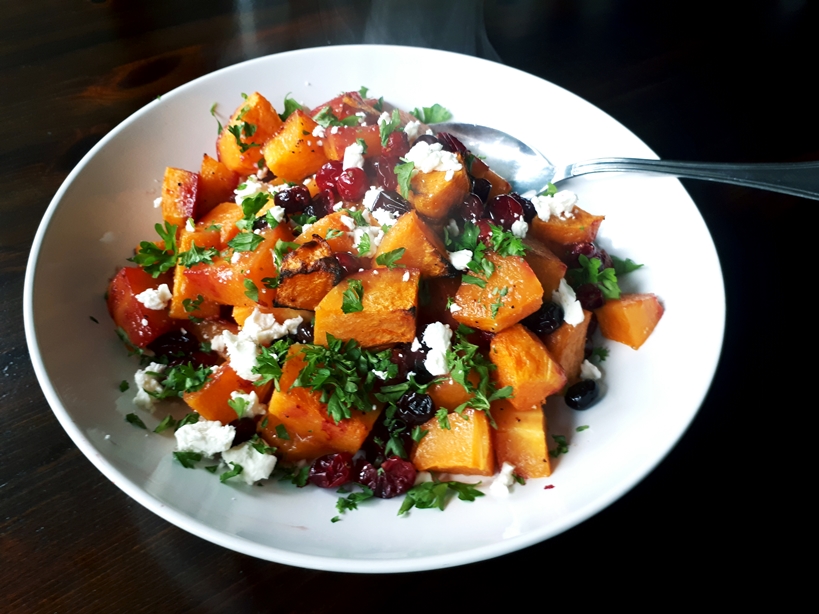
<point x="695" y="80"/>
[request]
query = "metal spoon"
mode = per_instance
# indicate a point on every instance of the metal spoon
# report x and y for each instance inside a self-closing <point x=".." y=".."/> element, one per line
<point x="529" y="171"/>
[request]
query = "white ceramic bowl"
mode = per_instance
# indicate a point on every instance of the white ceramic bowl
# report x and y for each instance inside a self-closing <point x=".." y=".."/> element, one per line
<point x="105" y="207"/>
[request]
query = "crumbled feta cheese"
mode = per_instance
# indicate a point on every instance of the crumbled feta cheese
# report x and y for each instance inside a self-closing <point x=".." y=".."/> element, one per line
<point x="353" y="156"/>
<point x="189" y="226"/>
<point x="416" y="345"/>
<point x="520" y="228"/>
<point x="250" y="187"/>
<point x="382" y="375"/>
<point x="334" y="130"/>
<point x="253" y="407"/>
<point x="412" y="130"/>
<point x="384" y="217"/>
<point x="309" y="179"/>
<point x="452" y="227"/>
<point x="589" y="371"/>
<point x="428" y="158"/>
<point x="235" y="257"/>
<point x="371" y="196"/>
<point x="157" y="202"/>
<point x="206" y="437"/>
<point x="305" y="228"/>
<point x="560" y="205"/>
<point x="384" y="118"/>
<point x="320" y="143"/>
<point x="566" y="298"/>
<point x="437" y="337"/>
<point x="241" y="351"/>
<point x="454" y="307"/>
<point x="375" y="271"/>
<point x="155" y="299"/>
<point x="374" y="232"/>
<point x="277" y="213"/>
<point x="145" y="383"/>
<point x="262" y="328"/>
<point x="255" y="465"/>
<point x="500" y="485"/>
<point x="347" y="221"/>
<point x="460" y="259"/>
<point x="405" y="276"/>
<point x="144" y="322"/>
<point x="338" y="206"/>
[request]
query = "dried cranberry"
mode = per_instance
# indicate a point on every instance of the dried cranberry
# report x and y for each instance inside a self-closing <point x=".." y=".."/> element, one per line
<point x="590" y="250"/>
<point x="481" y="188"/>
<point x="415" y="408"/>
<point x="321" y="205"/>
<point x="304" y="333"/>
<point x="397" y="145"/>
<point x="407" y="361"/>
<point x="471" y="209"/>
<point x="545" y="320"/>
<point x="484" y="232"/>
<point x="175" y="345"/>
<point x="426" y="138"/>
<point x="590" y="297"/>
<point x="245" y="430"/>
<point x="392" y="202"/>
<point x="293" y="200"/>
<point x="450" y="143"/>
<point x="348" y="262"/>
<point x="504" y="211"/>
<point x="327" y="175"/>
<point x="385" y="173"/>
<point x="529" y="211"/>
<point x="260" y="224"/>
<point x="582" y="394"/>
<point x="395" y="477"/>
<point x="481" y="338"/>
<point x="331" y="470"/>
<point x="352" y="184"/>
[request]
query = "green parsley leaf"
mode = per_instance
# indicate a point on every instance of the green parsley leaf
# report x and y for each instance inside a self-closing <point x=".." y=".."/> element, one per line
<point x="281" y="249"/>
<point x="432" y="115"/>
<point x="167" y="423"/>
<point x="271" y="282"/>
<point x="187" y="459"/>
<point x="245" y="242"/>
<point x="591" y="273"/>
<point x="191" y="418"/>
<point x="240" y="130"/>
<point x="124" y="385"/>
<point x="155" y="260"/>
<point x="282" y="433"/>
<point x="298" y="220"/>
<point x="443" y="418"/>
<point x="363" y="91"/>
<point x="358" y="216"/>
<point x="353" y="499"/>
<point x="333" y="233"/>
<point x="269" y="363"/>
<point x="386" y="128"/>
<point x="418" y="434"/>
<point x="135" y="420"/>
<point x="251" y="291"/>
<point x="519" y="479"/>
<point x="353" y="296"/>
<point x="390" y="259"/>
<point x="190" y="304"/>
<point x="197" y="255"/>
<point x="291" y="105"/>
<point x="495" y="307"/>
<point x="364" y="245"/>
<point x="251" y="205"/>
<point x="551" y="190"/>
<point x="599" y="354"/>
<point x="505" y="243"/>
<point x="403" y="172"/>
<point x="561" y="448"/>
<point x="213" y="114"/>
<point x="180" y="379"/>
<point x="379" y="104"/>
<point x="363" y="144"/>
<point x="239" y="405"/>
<point x="325" y="118"/>
<point x="623" y="267"/>
<point x="580" y="429"/>
<point x="235" y="470"/>
<point x="335" y="518"/>
<point x="476" y="281"/>
<point x="212" y="468"/>
<point x="428" y="495"/>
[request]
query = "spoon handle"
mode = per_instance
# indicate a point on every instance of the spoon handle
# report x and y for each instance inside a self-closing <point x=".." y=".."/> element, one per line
<point x="795" y="178"/>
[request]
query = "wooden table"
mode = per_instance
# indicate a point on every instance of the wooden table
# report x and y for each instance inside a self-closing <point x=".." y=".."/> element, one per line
<point x="694" y="81"/>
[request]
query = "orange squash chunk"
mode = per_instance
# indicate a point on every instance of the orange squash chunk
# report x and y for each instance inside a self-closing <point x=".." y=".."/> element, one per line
<point x="179" y="196"/>
<point x="141" y="325"/>
<point x="194" y="308"/>
<point x="525" y="364"/>
<point x="433" y="196"/>
<point x="216" y="184"/>
<point x="388" y="317"/>
<point x="211" y="401"/>
<point x="424" y="249"/>
<point x="558" y="233"/>
<point x="480" y="170"/>
<point x="520" y="440"/>
<point x="240" y="314"/>
<point x="257" y="112"/>
<point x="567" y="346"/>
<point x="294" y="153"/>
<point x="307" y="274"/>
<point x="336" y="142"/>
<point x="466" y="447"/>
<point x="548" y="267"/>
<point x="225" y="216"/>
<point x="340" y="239"/>
<point x="296" y="447"/>
<point x="258" y="264"/>
<point x="523" y="295"/>
<point x="630" y="319"/>
<point x="449" y="394"/>
<point x="303" y="414"/>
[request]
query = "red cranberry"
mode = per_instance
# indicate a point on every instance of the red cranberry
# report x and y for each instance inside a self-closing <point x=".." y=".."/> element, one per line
<point x="331" y="470"/>
<point x="385" y="174"/>
<point x="294" y="200"/>
<point x="327" y="175"/>
<point x="450" y="143"/>
<point x="397" y="145"/>
<point x="395" y="477"/>
<point x="471" y="209"/>
<point x="484" y="232"/>
<point x="352" y="184"/>
<point x="589" y="250"/>
<point x="481" y="188"/>
<point x="529" y="211"/>
<point x="245" y="430"/>
<point x="590" y="297"/>
<point x="348" y="262"/>
<point x="481" y="338"/>
<point x="504" y="211"/>
<point x="321" y="205"/>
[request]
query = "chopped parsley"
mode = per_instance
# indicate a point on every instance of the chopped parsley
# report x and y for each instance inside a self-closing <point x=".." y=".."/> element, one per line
<point x="386" y="128"/>
<point x="245" y="242"/>
<point x="599" y="354"/>
<point x="251" y="291"/>
<point x="363" y="145"/>
<point x="167" y="423"/>
<point x="135" y="420"/>
<point x="351" y="501"/>
<point x="428" y="495"/>
<point x="197" y="255"/>
<point x="325" y="117"/>
<point x="124" y="385"/>
<point x="432" y="115"/>
<point x="269" y="363"/>
<point x="403" y="172"/>
<point x="580" y="429"/>
<point x="561" y="446"/>
<point x="390" y="259"/>
<point x="362" y="91"/>
<point x="187" y="459"/>
<point x="191" y="418"/>
<point x="190" y="304"/>
<point x="282" y="433"/>
<point x="251" y="205"/>
<point x="213" y="114"/>
<point x="180" y="379"/>
<point x="234" y="471"/>
<point x="353" y="296"/>
<point x="290" y="105"/>
<point x="155" y="260"/>
<point x="239" y="405"/>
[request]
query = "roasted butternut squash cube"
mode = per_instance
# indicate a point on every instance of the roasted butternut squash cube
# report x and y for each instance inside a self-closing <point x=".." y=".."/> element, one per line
<point x="466" y="447"/>
<point x="240" y="143"/>
<point x="389" y="306"/>
<point x="546" y="265"/>
<point x="216" y="184"/>
<point x="511" y="293"/>
<point x="433" y="195"/>
<point x="222" y="217"/>
<point x="179" y="196"/>
<point x="307" y="274"/>
<point x="337" y="140"/>
<point x="186" y="304"/>
<point x="339" y="238"/>
<point x="259" y="265"/>
<point x="449" y="394"/>
<point x="524" y="363"/>
<point x="303" y="414"/>
<point x="141" y="325"/>
<point x="211" y="401"/>
<point x="295" y="446"/>
<point x="294" y="153"/>
<point x="558" y="233"/>
<point x="480" y="170"/>
<point x="424" y="249"/>
<point x="520" y="440"/>
<point x="630" y="319"/>
<point x="567" y="346"/>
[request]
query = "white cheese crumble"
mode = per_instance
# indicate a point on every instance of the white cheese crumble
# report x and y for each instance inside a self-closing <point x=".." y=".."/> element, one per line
<point x="371" y="196"/>
<point x="416" y="345"/>
<point x="241" y="351"/>
<point x="338" y="206"/>
<point x="189" y="226"/>
<point x="353" y="156"/>
<point x="277" y="213"/>
<point x="454" y="307"/>
<point x="589" y="371"/>
<point x="255" y="465"/>
<point x="413" y="130"/>
<point x="155" y="299"/>
<point x="438" y="338"/>
<point x="347" y="221"/>
<point x="560" y="205"/>
<point x="375" y="233"/>
<point x="253" y="407"/>
<point x="262" y="328"/>
<point x="405" y="276"/>
<point x="428" y="158"/>
<point x="520" y="228"/>
<point x="334" y="130"/>
<point x="235" y="257"/>
<point x="384" y="217"/>
<point x="382" y="375"/>
<point x="250" y="187"/>
<point x="157" y="202"/>
<point x="452" y="227"/>
<point x="384" y="118"/>
<point x="566" y="298"/>
<point x="500" y="485"/>
<point x="146" y="383"/>
<point x="318" y="131"/>
<point x="460" y="259"/>
<point x="206" y="437"/>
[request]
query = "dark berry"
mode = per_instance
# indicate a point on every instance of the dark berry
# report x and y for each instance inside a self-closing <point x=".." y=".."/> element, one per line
<point x="529" y="211"/>
<point x="392" y="202"/>
<point x="395" y="477"/>
<point x="582" y="394"/>
<point x="293" y="200"/>
<point x="245" y="430"/>
<point x="175" y="344"/>
<point x="260" y="224"/>
<point x="471" y="209"/>
<point x="590" y="297"/>
<point x="589" y="250"/>
<point x="397" y="145"/>
<point x="352" y="184"/>
<point x="385" y="174"/>
<point x="348" y="262"/>
<point x="327" y="175"/>
<point x="415" y="408"/>
<point x="321" y="205"/>
<point x="545" y="320"/>
<point x="481" y="338"/>
<point x="481" y="188"/>
<point x="304" y="333"/>
<point x="484" y="232"/>
<point x="450" y="143"/>
<point x="331" y="470"/>
<point x="427" y="138"/>
<point x="504" y="211"/>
